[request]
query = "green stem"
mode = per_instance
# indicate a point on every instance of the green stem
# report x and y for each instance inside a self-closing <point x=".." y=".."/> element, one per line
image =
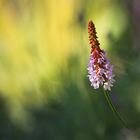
<point x="113" y="108"/>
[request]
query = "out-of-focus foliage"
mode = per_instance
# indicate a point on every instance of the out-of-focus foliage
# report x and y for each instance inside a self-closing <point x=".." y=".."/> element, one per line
<point x="44" y="52"/>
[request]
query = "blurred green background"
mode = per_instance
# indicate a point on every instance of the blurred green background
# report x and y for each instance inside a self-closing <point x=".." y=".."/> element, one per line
<point x="44" y="51"/>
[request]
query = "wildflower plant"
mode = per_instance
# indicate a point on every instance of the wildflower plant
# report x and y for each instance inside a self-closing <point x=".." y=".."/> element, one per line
<point x="100" y="71"/>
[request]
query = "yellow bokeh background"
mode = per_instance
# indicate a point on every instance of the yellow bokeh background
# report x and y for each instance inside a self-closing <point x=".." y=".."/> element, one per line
<point x="37" y="38"/>
<point x="44" y="52"/>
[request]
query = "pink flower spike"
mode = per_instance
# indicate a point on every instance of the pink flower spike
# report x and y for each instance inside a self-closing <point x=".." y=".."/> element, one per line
<point x="100" y="71"/>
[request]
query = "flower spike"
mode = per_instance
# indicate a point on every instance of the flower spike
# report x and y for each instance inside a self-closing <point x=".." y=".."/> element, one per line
<point x="100" y="71"/>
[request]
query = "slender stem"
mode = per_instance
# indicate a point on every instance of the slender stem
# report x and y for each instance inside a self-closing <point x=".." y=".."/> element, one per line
<point x="113" y="108"/>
